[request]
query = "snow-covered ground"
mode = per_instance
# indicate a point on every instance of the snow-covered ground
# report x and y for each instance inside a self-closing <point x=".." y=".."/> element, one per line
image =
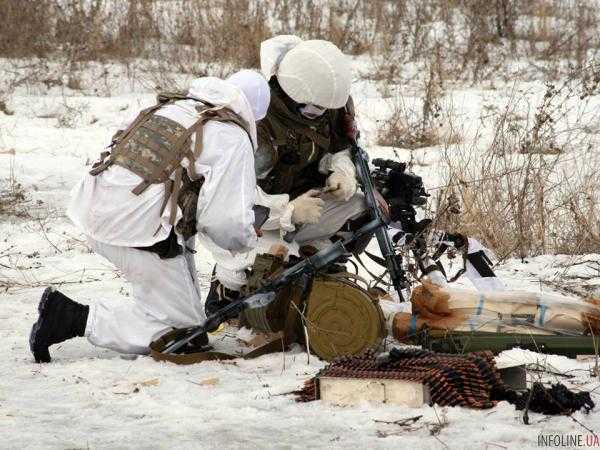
<point x="94" y="398"/>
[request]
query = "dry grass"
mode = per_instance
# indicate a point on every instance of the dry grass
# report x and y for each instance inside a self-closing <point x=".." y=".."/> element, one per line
<point x="13" y="199"/>
<point x="474" y="37"/>
<point x="525" y="194"/>
<point x="426" y="126"/>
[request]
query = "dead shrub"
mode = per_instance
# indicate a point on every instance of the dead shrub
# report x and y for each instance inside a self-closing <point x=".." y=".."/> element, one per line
<point x="517" y="195"/>
<point x="13" y="199"/>
<point x="502" y="199"/>
<point x="139" y="30"/>
<point x="26" y="28"/>
<point x="5" y="109"/>
<point x="70" y="115"/>
<point x="74" y="82"/>
<point x="412" y="128"/>
<point x="479" y="39"/>
<point x="560" y="30"/>
<point x="405" y="129"/>
<point x="78" y="29"/>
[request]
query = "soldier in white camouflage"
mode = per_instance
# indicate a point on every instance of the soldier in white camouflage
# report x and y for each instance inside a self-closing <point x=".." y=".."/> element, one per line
<point x="183" y="166"/>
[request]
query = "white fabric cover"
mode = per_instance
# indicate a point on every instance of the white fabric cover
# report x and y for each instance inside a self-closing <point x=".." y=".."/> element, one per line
<point x="314" y="71"/>
<point x="280" y="214"/>
<point x="255" y="88"/>
<point x="482" y="283"/>
<point x="220" y="92"/>
<point x="273" y="50"/>
<point x="105" y="209"/>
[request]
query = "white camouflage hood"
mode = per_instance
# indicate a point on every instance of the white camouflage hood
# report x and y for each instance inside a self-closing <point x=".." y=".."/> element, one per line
<point x="220" y="92"/>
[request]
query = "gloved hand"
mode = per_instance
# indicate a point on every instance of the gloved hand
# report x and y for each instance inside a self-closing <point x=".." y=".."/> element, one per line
<point x="308" y="208"/>
<point x="341" y="186"/>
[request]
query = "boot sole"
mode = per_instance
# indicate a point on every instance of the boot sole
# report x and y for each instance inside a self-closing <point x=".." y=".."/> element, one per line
<point x="40" y="354"/>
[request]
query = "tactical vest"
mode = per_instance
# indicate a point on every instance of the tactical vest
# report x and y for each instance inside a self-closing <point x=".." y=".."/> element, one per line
<point x="153" y="147"/>
<point x="291" y="146"/>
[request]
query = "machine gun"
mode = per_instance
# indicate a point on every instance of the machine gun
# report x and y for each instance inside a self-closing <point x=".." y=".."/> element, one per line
<point x="306" y="268"/>
<point x="309" y="266"/>
<point x="402" y="191"/>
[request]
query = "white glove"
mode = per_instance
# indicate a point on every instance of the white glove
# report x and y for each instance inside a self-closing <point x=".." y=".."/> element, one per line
<point x="308" y="208"/>
<point x="280" y="214"/>
<point x="341" y="186"/>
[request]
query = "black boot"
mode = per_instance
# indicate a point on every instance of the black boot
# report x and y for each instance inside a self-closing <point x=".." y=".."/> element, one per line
<point x="218" y="297"/>
<point x="60" y="319"/>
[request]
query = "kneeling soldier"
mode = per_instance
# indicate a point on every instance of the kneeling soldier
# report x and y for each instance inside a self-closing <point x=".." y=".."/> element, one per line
<point x="183" y="166"/>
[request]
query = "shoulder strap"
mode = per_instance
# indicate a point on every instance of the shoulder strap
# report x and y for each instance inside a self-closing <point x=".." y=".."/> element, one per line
<point x="206" y="113"/>
<point x="172" y="96"/>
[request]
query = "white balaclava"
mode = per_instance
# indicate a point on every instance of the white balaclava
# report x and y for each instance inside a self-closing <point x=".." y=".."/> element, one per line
<point x="311" y="72"/>
<point x="256" y="90"/>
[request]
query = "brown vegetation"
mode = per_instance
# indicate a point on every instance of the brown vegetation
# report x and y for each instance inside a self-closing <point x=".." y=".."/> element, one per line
<point x="474" y="37"/>
<point x="12" y="194"/>
<point x="524" y="194"/>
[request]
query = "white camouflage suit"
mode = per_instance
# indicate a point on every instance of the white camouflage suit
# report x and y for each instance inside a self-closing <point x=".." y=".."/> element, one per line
<point x="165" y="291"/>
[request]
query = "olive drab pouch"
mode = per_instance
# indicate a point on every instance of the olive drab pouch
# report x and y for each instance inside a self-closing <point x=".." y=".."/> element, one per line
<point x="188" y="202"/>
<point x="153" y="147"/>
<point x="270" y="318"/>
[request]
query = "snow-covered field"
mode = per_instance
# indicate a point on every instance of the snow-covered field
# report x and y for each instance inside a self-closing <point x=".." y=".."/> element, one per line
<point x="94" y="398"/>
